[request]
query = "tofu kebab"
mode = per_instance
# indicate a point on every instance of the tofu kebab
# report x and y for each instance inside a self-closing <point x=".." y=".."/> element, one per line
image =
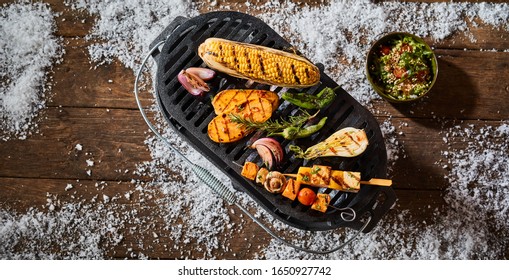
<point x="290" y="185"/>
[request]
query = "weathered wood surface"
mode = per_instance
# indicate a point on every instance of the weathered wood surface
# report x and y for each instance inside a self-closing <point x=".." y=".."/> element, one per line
<point x="94" y="107"/>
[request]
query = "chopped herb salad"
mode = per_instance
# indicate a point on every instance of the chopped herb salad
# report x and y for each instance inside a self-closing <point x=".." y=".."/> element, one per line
<point x="402" y="67"/>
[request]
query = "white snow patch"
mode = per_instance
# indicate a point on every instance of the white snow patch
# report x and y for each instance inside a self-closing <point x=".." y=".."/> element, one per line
<point x="477" y="197"/>
<point x="28" y="50"/>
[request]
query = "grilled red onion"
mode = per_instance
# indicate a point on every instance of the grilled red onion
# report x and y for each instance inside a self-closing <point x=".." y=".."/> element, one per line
<point x="269" y="150"/>
<point x="192" y="79"/>
<point x="203" y="73"/>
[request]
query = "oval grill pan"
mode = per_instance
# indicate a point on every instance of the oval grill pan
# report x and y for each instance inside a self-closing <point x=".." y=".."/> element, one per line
<point x="190" y="116"/>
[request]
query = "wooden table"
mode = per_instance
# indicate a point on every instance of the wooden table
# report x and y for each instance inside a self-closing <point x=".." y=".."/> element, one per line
<point x="94" y="107"/>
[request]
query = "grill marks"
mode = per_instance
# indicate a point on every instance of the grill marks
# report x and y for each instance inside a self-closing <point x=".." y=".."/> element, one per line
<point x="297" y="80"/>
<point x="235" y="100"/>
<point x="258" y="63"/>
<point x="353" y="140"/>
<point x="339" y="178"/>
<point x="320" y="175"/>
<point x="344" y="142"/>
<point x="238" y="98"/>
<point x="222" y="130"/>
<point x="253" y="105"/>
<point x="235" y="59"/>
<point x="221" y="53"/>
<point x="306" y="70"/>
<point x="257" y="109"/>
<point x="248" y="60"/>
<point x="217" y="128"/>
<point x="340" y="181"/>
<point x="211" y="53"/>
<point x="279" y="71"/>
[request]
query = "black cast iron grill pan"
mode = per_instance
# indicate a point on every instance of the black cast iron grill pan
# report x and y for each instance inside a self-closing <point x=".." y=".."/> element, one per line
<point x="190" y="115"/>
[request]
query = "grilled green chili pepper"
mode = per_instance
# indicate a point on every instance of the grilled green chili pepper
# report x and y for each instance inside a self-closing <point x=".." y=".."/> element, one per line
<point x="309" y="101"/>
<point x="294" y="132"/>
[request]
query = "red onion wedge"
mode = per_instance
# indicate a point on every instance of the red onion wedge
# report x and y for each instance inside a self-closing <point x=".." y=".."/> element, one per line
<point x="203" y="73"/>
<point x="191" y="79"/>
<point x="269" y="150"/>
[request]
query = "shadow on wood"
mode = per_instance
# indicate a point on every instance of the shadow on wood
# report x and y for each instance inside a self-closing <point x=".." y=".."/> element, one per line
<point x="453" y="96"/>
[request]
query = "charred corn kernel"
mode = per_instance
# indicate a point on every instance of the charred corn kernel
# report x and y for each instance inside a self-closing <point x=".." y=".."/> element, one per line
<point x="261" y="64"/>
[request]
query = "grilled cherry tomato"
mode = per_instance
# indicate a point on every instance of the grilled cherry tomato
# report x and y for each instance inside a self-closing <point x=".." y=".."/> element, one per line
<point x="385" y="50"/>
<point x="422" y="75"/>
<point x="399" y="72"/>
<point x="406" y="48"/>
<point x="306" y="196"/>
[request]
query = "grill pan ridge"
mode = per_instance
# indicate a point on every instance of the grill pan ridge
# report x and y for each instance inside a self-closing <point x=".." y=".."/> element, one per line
<point x="190" y="115"/>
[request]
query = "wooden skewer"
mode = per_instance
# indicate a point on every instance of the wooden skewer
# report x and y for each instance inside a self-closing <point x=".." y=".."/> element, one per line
<point x="372" y="182"/>
<point x="378" y="182"/>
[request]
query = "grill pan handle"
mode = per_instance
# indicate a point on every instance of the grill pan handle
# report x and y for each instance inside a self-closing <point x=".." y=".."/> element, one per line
<point x="385" y="200"/>
<point x="214" y="183"/>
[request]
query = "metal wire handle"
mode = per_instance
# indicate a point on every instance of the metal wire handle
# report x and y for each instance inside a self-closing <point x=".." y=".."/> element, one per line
<point x="214" y="183"/>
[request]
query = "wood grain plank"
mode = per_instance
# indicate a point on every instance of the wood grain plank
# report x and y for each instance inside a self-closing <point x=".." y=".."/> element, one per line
<point x="94" y="107"/>
<point x="143" y="215"/>
<point x="134" y="213"/>
<point x="478" y="36"/>
<point x="22" y="194"/>
<point x="481" y="37"/>
<point x="470" y="85"/>
<point x="420" y="162"/>
<point x="69" y="22"/>
<point x="112" y="139"/>
<point x="79" y="23"/>
<point x="79" y="82"/>
<point x="139" y="217"/>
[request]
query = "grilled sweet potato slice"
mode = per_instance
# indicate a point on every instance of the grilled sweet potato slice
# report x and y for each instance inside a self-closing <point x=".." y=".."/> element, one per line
<point x="256" y="110"/>
<point x="231" y="100"/>
<point x="249" y="170"/>
<point x="321" y="203"/>
<point x="223" y="130"/>
<point x="292" y="189"/>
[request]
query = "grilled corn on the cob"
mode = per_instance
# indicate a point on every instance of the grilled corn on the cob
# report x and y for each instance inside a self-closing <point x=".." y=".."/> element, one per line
<point x="260" y="64"/>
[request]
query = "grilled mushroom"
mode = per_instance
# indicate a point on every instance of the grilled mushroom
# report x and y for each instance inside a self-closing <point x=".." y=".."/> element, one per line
<point x="261" y="176"/>
<point x="275" y="182"/>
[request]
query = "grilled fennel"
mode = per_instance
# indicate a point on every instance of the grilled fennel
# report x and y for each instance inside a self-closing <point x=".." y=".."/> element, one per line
<point x="347" y="142"/>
